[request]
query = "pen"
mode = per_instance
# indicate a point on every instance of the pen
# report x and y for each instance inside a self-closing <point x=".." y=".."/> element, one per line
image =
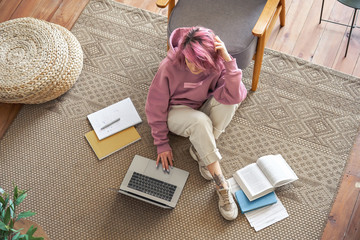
<point x="110" y="123"/>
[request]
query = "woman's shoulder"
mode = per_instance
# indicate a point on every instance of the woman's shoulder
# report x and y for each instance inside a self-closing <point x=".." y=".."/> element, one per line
<point x="169" y="62"/>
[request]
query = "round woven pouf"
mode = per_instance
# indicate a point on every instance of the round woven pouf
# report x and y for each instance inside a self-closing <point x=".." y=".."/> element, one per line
<point x="39" y="61"/>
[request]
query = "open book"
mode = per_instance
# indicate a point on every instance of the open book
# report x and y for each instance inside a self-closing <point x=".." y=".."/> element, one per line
<point x="260" y="178"/>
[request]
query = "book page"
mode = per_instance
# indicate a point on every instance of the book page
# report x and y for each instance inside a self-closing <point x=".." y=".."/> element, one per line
<point x="233" y="185"/>
<point x="276" y="170"/>
<point x="266" y="216"/>
<point x="253" y="179"/>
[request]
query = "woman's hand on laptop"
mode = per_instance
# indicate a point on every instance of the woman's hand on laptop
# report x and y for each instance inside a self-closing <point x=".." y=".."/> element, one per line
<point x="166" y="159"/>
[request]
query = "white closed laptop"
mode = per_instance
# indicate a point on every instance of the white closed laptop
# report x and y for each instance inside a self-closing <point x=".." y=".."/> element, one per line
<point x="145" y="182"/>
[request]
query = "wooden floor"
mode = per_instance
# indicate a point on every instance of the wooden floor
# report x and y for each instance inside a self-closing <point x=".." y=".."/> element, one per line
<point x="302" y="37"/>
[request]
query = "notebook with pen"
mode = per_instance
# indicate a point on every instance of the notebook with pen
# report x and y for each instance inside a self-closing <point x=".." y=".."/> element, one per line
<point x="114" y="118"/>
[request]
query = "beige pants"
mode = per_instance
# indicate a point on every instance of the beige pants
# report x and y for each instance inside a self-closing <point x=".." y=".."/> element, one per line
<point x="202" y="126"/>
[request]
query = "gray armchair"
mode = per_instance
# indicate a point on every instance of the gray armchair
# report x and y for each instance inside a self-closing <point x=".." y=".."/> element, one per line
<point x="243" y="25"/>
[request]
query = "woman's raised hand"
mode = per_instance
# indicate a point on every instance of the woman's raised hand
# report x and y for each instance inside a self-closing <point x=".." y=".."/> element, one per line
<point x="220" y="47"/>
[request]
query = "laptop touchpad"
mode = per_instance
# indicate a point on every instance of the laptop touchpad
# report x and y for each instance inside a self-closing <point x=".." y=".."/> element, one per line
<point x="152" y="171"/>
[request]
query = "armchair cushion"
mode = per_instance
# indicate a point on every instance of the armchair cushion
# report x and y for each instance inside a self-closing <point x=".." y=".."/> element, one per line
<point x="231" y="20"/>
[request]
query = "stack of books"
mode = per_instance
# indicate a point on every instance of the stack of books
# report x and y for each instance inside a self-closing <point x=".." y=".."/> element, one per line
<point x="253" y="187"/>
<point x="113" y="128"/>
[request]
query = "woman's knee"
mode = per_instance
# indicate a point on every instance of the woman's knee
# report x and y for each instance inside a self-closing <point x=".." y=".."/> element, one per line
<point x="185" y="122"/>
<point x="232" y="108"/>
<point x="201" y="122"/>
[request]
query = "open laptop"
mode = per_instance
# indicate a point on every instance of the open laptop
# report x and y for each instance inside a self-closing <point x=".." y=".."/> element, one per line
<point x="150" y="184"/>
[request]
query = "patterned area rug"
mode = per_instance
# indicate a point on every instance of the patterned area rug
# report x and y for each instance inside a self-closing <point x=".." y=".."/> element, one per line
<point x="307" y="113"/>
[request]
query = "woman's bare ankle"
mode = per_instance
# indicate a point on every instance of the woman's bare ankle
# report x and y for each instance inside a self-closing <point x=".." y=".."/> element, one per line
<point x="220" y="181"/>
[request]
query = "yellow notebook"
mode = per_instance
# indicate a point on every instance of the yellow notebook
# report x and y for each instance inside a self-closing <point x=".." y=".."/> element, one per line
<point x="113" y="143"/>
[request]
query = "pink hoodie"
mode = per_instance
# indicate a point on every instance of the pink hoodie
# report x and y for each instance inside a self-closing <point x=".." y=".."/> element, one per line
<point x="174" y="84"/>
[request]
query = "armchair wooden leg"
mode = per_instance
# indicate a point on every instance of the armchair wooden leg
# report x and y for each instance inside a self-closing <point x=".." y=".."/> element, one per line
<point x="171" y="6"/>
<point x="163" y="4"/>
<point x="282" y="13"/>
<point x="258" y="61"/>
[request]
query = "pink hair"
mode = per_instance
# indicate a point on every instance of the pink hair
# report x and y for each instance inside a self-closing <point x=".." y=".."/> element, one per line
<point x="198" y="47"/>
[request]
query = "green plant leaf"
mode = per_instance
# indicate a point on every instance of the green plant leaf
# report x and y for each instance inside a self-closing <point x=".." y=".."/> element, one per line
<point x="7" y="199"/>
<point x="2" y="200"/>
<point x="37" y="238"/>
<point x="20" y="199"/>
<point x="7" y="216"/>
<point x="4" y="235"/>
<point x="31" y="230"/>
<point x="4" y="227"/>
<point x="11" y="225"/>
<point x="12" y="208"/>
<point x="16" y="237"/>
<point x="16" y="194"/>
<point x="24" y="236"/>
<point x="16" y="230"/>
<point x="2" y="216"/>
<point x="25" y="215"/>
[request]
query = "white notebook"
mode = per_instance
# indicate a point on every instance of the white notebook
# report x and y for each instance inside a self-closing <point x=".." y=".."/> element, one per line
<point x="114" y="118"/>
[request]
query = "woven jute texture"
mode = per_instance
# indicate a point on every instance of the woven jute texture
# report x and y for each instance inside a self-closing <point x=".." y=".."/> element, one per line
<point x="307" y="113"/>
<point x="39" y="61"/>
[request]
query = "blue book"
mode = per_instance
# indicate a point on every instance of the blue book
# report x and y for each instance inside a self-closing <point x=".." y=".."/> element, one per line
<point x="246" y="205"/>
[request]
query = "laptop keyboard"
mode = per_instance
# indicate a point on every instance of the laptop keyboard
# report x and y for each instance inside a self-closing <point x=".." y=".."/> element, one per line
<point x="152" y="186"/>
